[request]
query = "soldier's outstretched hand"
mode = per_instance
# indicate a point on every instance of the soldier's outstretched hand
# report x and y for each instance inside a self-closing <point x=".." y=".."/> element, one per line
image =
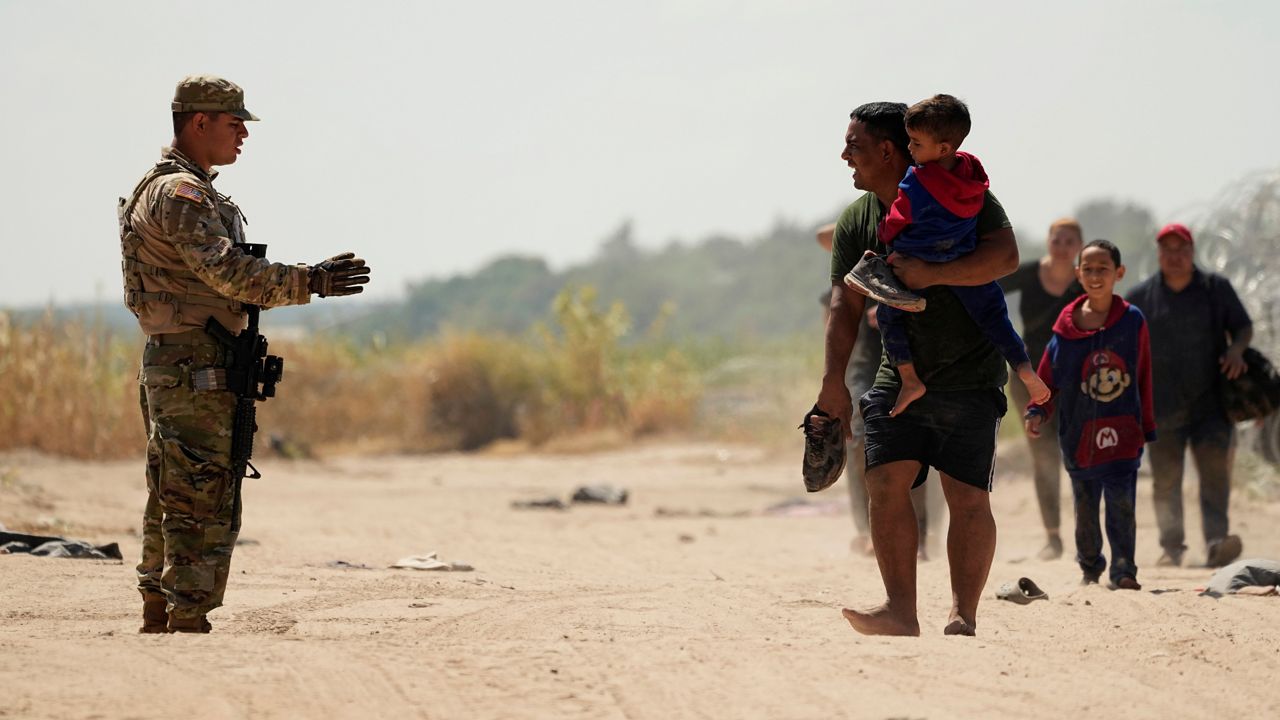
<point x="339" y="275"/>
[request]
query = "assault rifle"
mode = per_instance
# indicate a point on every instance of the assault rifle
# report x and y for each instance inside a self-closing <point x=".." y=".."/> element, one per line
<point x="251" y="374"/>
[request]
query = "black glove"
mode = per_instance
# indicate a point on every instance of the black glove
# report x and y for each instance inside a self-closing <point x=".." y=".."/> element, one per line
<point x="339" y="275"/>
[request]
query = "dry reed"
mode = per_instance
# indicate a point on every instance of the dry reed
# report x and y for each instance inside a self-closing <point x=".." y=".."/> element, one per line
<point x="71" y="389"/>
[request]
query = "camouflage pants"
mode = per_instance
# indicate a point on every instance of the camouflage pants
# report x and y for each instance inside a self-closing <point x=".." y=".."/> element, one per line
<point x="192" y="517"/>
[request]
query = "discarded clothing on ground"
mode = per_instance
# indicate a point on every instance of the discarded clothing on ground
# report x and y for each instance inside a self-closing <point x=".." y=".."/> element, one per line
<point x="1255" y="572"/>
<point x="45" y="546"/>
<point x="430" y="561"/>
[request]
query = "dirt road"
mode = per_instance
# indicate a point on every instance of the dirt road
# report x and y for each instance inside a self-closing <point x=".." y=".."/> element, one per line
<point x="653" y="610"/>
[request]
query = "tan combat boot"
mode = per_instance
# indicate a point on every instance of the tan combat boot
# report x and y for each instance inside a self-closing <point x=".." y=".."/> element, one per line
<point x="155" y="618"/>
<point x="189" y="625"/>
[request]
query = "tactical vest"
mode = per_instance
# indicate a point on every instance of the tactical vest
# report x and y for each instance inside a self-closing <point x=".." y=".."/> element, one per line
<point x="195" y="291"/>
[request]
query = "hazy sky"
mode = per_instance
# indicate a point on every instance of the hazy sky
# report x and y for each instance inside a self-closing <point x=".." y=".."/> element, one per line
<point x="433" y="136"/>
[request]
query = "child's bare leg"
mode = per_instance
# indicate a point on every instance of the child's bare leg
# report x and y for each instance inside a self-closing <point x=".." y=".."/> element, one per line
<point x="912" y="389"/>
<point x="1036" y="388"/>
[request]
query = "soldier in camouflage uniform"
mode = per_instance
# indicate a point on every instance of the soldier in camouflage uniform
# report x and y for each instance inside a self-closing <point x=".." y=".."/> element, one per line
<point x="182" y="265"/>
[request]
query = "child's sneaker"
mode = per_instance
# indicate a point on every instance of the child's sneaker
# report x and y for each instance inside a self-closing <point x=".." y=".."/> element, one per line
<point x="873" y="277"/>
<point x="824" y="453"/>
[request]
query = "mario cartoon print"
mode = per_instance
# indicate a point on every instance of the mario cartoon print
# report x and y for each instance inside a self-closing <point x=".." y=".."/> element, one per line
<point x="1104" y="377"/>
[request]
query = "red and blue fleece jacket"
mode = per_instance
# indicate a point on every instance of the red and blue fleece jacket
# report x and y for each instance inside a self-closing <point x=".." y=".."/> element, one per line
<point x="1101" y="383"/>
<point x="936" y="208"/>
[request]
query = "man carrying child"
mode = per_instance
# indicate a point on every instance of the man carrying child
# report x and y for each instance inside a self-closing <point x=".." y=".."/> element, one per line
<point x="934" y="219"/>
<point x="953" y="426"/>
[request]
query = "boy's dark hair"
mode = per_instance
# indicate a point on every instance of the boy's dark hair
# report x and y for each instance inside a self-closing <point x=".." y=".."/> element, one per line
<point x="944" y="117"/>
<point x="884" y="120"/>
<point x="1107" y="245"/>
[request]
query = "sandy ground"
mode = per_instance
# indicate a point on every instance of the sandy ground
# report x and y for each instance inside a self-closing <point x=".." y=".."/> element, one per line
<point x="597" y="612"/>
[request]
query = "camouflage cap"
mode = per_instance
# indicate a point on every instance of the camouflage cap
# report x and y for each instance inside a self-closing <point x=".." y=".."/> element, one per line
<point x="206" y="93"/>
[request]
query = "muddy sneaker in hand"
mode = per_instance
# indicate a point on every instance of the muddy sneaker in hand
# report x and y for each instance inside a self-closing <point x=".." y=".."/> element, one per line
<point x="873" y="277"/>
<point x="823" y="450"/>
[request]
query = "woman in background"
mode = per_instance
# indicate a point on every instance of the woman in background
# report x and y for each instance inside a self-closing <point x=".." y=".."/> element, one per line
<point x="1046" y="286"/>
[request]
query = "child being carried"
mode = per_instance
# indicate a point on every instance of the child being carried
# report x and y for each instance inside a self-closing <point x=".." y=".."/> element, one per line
<point x="935" y="219"/>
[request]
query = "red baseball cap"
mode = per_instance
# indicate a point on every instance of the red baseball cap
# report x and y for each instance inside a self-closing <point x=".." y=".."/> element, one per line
<point x="1102" y="359"/>
<point x="1177" y="229"/>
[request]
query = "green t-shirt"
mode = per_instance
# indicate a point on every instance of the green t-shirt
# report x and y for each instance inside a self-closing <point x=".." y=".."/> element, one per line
<point x="947" y="347"/>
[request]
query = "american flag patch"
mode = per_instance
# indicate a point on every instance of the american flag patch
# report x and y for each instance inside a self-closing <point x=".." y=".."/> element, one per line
<point x="187" y="191"/>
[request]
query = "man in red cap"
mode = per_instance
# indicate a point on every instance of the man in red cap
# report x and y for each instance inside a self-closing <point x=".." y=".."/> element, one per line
<point x="1199" y="332"/>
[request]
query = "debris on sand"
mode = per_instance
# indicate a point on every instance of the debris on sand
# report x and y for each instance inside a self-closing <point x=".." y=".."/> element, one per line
<point x="802" y="507"/>
<point x="430" y="561"/>
<point x="344" y="565"/>
<point x="662" y="511"/>
<point x="1236" y="577"/>
<point x="545" y="503"/>
<point x="601" y="494"/>
<point x="44" y="546"/>
<point x="1022" y="592"/>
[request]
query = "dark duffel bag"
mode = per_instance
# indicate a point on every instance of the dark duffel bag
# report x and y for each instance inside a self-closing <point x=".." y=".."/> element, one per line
<point x="1256" y="393"/>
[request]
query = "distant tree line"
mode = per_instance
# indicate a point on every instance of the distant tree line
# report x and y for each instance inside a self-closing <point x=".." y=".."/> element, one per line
<point x="721" y="287"/>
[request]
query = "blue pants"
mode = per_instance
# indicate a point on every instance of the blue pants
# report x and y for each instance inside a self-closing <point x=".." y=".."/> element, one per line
<point x="1119" y="489"/>
<point x="986" y="306"/>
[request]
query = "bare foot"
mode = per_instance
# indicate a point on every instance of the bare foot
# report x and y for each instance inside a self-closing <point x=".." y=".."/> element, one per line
<point x="882" y="621"/>
<point x="912" y="389"/>
<point x="1052" y="549"/>
<point x="957" y="625"/>
<point x="1036" y="388"/>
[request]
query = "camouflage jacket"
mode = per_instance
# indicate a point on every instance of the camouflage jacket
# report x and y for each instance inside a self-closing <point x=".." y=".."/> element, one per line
<point x="180" y="260"/>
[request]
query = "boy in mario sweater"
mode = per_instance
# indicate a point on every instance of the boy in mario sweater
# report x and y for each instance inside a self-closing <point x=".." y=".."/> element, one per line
<point x="935" y="219"/>
<point x="1098" y="369"/>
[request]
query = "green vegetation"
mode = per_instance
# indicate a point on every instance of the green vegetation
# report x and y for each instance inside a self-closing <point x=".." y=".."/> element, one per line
<point x="71" y="389"/>
<point x="716" y="339"/>
<point x="722" y="287"/>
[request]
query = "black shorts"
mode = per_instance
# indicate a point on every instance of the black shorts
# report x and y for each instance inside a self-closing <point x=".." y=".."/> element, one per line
<point x="954" y="432"/>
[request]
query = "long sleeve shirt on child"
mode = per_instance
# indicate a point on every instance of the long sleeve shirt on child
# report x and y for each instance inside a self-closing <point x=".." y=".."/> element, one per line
<point x="934" y="217"/>
<point x="1101" y="385"/>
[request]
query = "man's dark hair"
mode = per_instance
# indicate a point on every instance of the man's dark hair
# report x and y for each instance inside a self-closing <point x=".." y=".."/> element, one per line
<point x="1107" y="245"/>
<point x="180" y="119"/>
<point x="944" y="117"/>
<point x="884" y="121"/>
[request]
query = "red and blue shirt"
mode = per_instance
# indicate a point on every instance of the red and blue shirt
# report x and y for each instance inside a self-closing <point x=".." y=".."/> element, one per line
<point x="934" y="217"/>
<point x="1101" y="384"/>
